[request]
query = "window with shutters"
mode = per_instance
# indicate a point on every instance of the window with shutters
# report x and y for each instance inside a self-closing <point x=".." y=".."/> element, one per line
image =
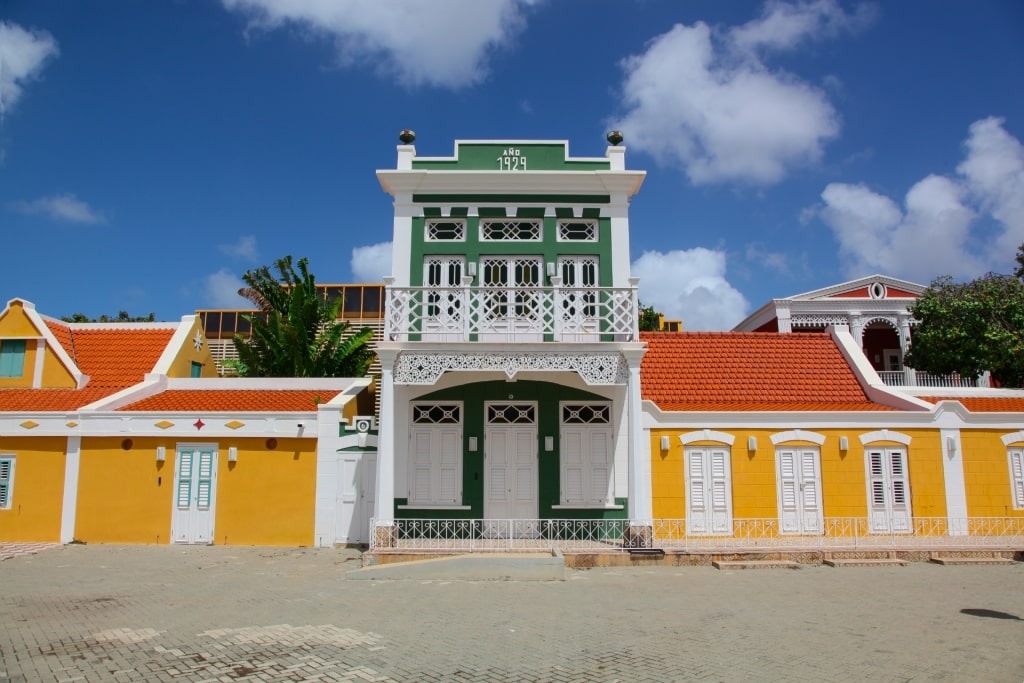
<point x="888" y="490"/>
<point x="6" y="481"/>
<point x="586" y="455"/>
<point x="1016" y="456"/>
<point x="12" y="357"/>
<point x="798" y="475"/>
<point x="435" y="454"/>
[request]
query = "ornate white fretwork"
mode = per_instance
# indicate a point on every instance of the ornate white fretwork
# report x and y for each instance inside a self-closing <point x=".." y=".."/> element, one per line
<point x="427" y="368"/>
<point x="819" y="320"/>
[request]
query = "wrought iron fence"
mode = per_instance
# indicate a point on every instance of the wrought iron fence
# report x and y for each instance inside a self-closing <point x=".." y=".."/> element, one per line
<point x="748" y="535"/>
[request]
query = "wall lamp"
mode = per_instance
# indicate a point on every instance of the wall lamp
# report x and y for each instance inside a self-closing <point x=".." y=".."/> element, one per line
<point x="233" y="454"/>
<point x="844" y="443"/>
<point x="752" y="444"/>
<point x="664" y="443"/>
<point x="950" y="446"/>
<point x="161" y="453"/>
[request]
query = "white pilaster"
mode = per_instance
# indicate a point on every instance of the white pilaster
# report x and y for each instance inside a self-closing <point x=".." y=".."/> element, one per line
<point x="641" y="509"/>
<point x="953" y="476"/>
<point x="69" y="506"/>
<point x="384" y="505"/>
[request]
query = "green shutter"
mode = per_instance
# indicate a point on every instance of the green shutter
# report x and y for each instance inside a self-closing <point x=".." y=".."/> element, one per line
<point x="12" y="357"/>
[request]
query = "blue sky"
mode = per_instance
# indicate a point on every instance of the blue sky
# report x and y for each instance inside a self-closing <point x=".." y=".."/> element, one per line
<point x="152" y="152"/>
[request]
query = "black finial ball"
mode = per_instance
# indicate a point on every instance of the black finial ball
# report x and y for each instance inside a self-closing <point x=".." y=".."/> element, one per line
<point x="614" y="137"/>
<point x="407" y="136"/>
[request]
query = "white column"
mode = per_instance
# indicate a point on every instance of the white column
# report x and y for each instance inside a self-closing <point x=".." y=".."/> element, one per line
<point x="857" y="328"/>
<point x="641" y="509"/>
<point x="384" y="505"/>
<point x="69" y="506"/>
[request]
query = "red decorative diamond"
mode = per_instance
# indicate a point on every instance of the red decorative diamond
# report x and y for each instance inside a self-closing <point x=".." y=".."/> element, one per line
<point x="199" y="424"/>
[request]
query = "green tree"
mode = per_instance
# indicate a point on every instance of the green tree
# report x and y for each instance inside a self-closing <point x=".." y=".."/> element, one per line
<point x="649" y="318"/>
<point x="972" y="327"/>
<point x="297" y="332"/>
<point x="1019" y="270"/>
<point x="121" y="317"/>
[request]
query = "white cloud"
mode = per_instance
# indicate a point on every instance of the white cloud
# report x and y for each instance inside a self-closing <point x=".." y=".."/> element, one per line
<point x="778" y="261"/>
<point x="690" y="285"/>
<point x="65" y="207"/>
<point x="22" y="56"/>
<point x="222" y="290"/>
<point x="411" y="40"/>
<point x="705" y="101"/>
<point x="244" y="249"/>
<point x="371" y="263"/>
<point x="941" y="227"/>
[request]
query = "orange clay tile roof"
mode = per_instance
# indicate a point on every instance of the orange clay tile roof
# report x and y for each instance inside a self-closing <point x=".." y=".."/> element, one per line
<point x="747" y="371"/>
<point x="983" y="404"/>
<point x="234" y="400"/>
<point x="112" y="358"/>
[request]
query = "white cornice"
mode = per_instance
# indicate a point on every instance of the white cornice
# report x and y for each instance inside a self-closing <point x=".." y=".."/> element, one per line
<point x="431" y="181"/>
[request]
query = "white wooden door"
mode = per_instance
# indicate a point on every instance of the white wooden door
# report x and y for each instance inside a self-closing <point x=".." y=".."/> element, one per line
<point x="357" y="475"/>
<point x="442" y="314"/>
<point x="798" y="475"/>
<point x="512" y="306"/>
<point x="708" y="491"/>
<point x="588" y="465"/>
<point x="510" y="473"/>
<point x="888" y="490"/>
<point x="580" y="318"/>
<point x="195" y="493"/>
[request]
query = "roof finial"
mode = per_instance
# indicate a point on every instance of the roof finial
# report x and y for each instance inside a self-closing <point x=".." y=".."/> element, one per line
<point x="614" y="137"/>
<point x="407" y="136"/>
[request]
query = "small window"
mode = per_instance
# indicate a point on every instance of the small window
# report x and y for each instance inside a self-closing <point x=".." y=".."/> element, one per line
<point x="437" y="414"/>
<point x="577" y="231"/>
<point x="511" y="414"/>
<point x="197" y="369"/>
<point x="12" y="357"/>
<point x="510" y="230"/>
<point x="586" y="413"/>
<point x="1017" y="476"/>
<point x="6" y="481"/>
<point x="445" y="230"/>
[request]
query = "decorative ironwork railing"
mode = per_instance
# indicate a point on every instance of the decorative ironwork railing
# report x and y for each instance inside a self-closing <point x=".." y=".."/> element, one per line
<point x="748" y="535"/>
<point x="511" y="314"/>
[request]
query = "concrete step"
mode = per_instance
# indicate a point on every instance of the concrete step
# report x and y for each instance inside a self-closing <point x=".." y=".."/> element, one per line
<point x="473" y="567"/>
<point x="864" y="562"/>
<point x="947" y="560"/>
<point x="754" y="564"/>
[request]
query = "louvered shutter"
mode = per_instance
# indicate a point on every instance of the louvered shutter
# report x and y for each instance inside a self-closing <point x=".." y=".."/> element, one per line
<point x="184" y="497"/>
<point x="448" y="466"/>
<point x="720" y="493"/>
<point x="204" y="482"/>
<point x="572" y="466"/>
<point x="788" y="492"/>
<point x="600" y="467"/>
<point x="6" y="479"/>
<point x="419" y="481"/>
<point x="1017" y="477"/>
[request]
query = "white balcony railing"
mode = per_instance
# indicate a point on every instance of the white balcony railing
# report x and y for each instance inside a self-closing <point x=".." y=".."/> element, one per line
<point x="511" y="314"/>
<point x="748" y="535"/>
<point x="913" y="378"/>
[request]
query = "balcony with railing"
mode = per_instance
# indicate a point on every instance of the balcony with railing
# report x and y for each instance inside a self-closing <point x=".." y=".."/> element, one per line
<point x="511" y="314"/>
<point x="908" y="377"/>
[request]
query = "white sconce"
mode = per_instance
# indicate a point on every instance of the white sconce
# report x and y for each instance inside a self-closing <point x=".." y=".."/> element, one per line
<point x="471" y="269"/>
<point x="233" y="454"/>
<point x="472" y="444"/>
<point x="552" y="268"/>
<point x="950" y="445"/>
<point x="752" y="444"/>
<point x="161" y="453"/>
<point x="664" y="443"/>
<point x="844" y="443"/>
<point x="549" y="443"/>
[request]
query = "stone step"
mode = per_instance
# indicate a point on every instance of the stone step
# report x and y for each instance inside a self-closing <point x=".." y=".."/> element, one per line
<point x="946" y="560"/>
<point x="864" y="562"/>
<point x="755" y="564"/>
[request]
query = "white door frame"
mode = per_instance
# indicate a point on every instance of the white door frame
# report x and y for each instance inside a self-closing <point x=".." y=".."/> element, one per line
<point x="708" y="477"/>
<point x="520" y="435"/>
<point x="194" y="504"/>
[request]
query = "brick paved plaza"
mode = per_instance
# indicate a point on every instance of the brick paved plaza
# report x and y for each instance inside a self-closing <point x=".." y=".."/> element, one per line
<point x="164" y="613"/>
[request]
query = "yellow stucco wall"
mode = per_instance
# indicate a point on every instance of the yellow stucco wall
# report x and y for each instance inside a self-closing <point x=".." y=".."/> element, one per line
<point x="843" y="474"/>
<point x="38" y="491"/>
<point x="987" y="474"/>
<point x="181" y="366"/>
<point x="124" y="496"/>
<point x="266" y="497"/>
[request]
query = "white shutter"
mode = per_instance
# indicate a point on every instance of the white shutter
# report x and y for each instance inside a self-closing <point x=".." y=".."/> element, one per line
<point x="448" y="466"/>
<point x="572" y="466"/>
<point x="184" y="478"/>
<point x="600" y="467"/>
<point x="204" y="483"/>
<point x="900" y="510"/>
<point x="811" y="514"/>
<point x="709" y="493"/>
<point x="1017" y="477"/>
<point x="788" y="487"/>
<point x="720" y="493"/>
<point x="419" y="481"/>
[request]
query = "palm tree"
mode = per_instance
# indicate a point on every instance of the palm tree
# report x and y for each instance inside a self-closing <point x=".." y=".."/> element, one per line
<point x="297" y="332"/>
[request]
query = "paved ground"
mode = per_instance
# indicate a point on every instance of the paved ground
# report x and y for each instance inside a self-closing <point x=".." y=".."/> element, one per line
<point x="163" y="613"/>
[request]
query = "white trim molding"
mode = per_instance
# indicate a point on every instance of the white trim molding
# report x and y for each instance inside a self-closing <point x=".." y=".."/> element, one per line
<point x="1012" y="437"/>
<point x="707" y="435"/>
<point x="885" y="435"/>
<point x="797" y="435"/>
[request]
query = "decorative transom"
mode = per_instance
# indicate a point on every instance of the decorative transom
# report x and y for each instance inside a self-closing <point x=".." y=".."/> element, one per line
<point x="510" y="230"/>
<point x="437" y="414"/>
<point x="511" y="414"/>
<point x="586" y="413"/>
<point x="593" y="368"/>
<point x="577" y="231"/>
<point x="445" y="230"/>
